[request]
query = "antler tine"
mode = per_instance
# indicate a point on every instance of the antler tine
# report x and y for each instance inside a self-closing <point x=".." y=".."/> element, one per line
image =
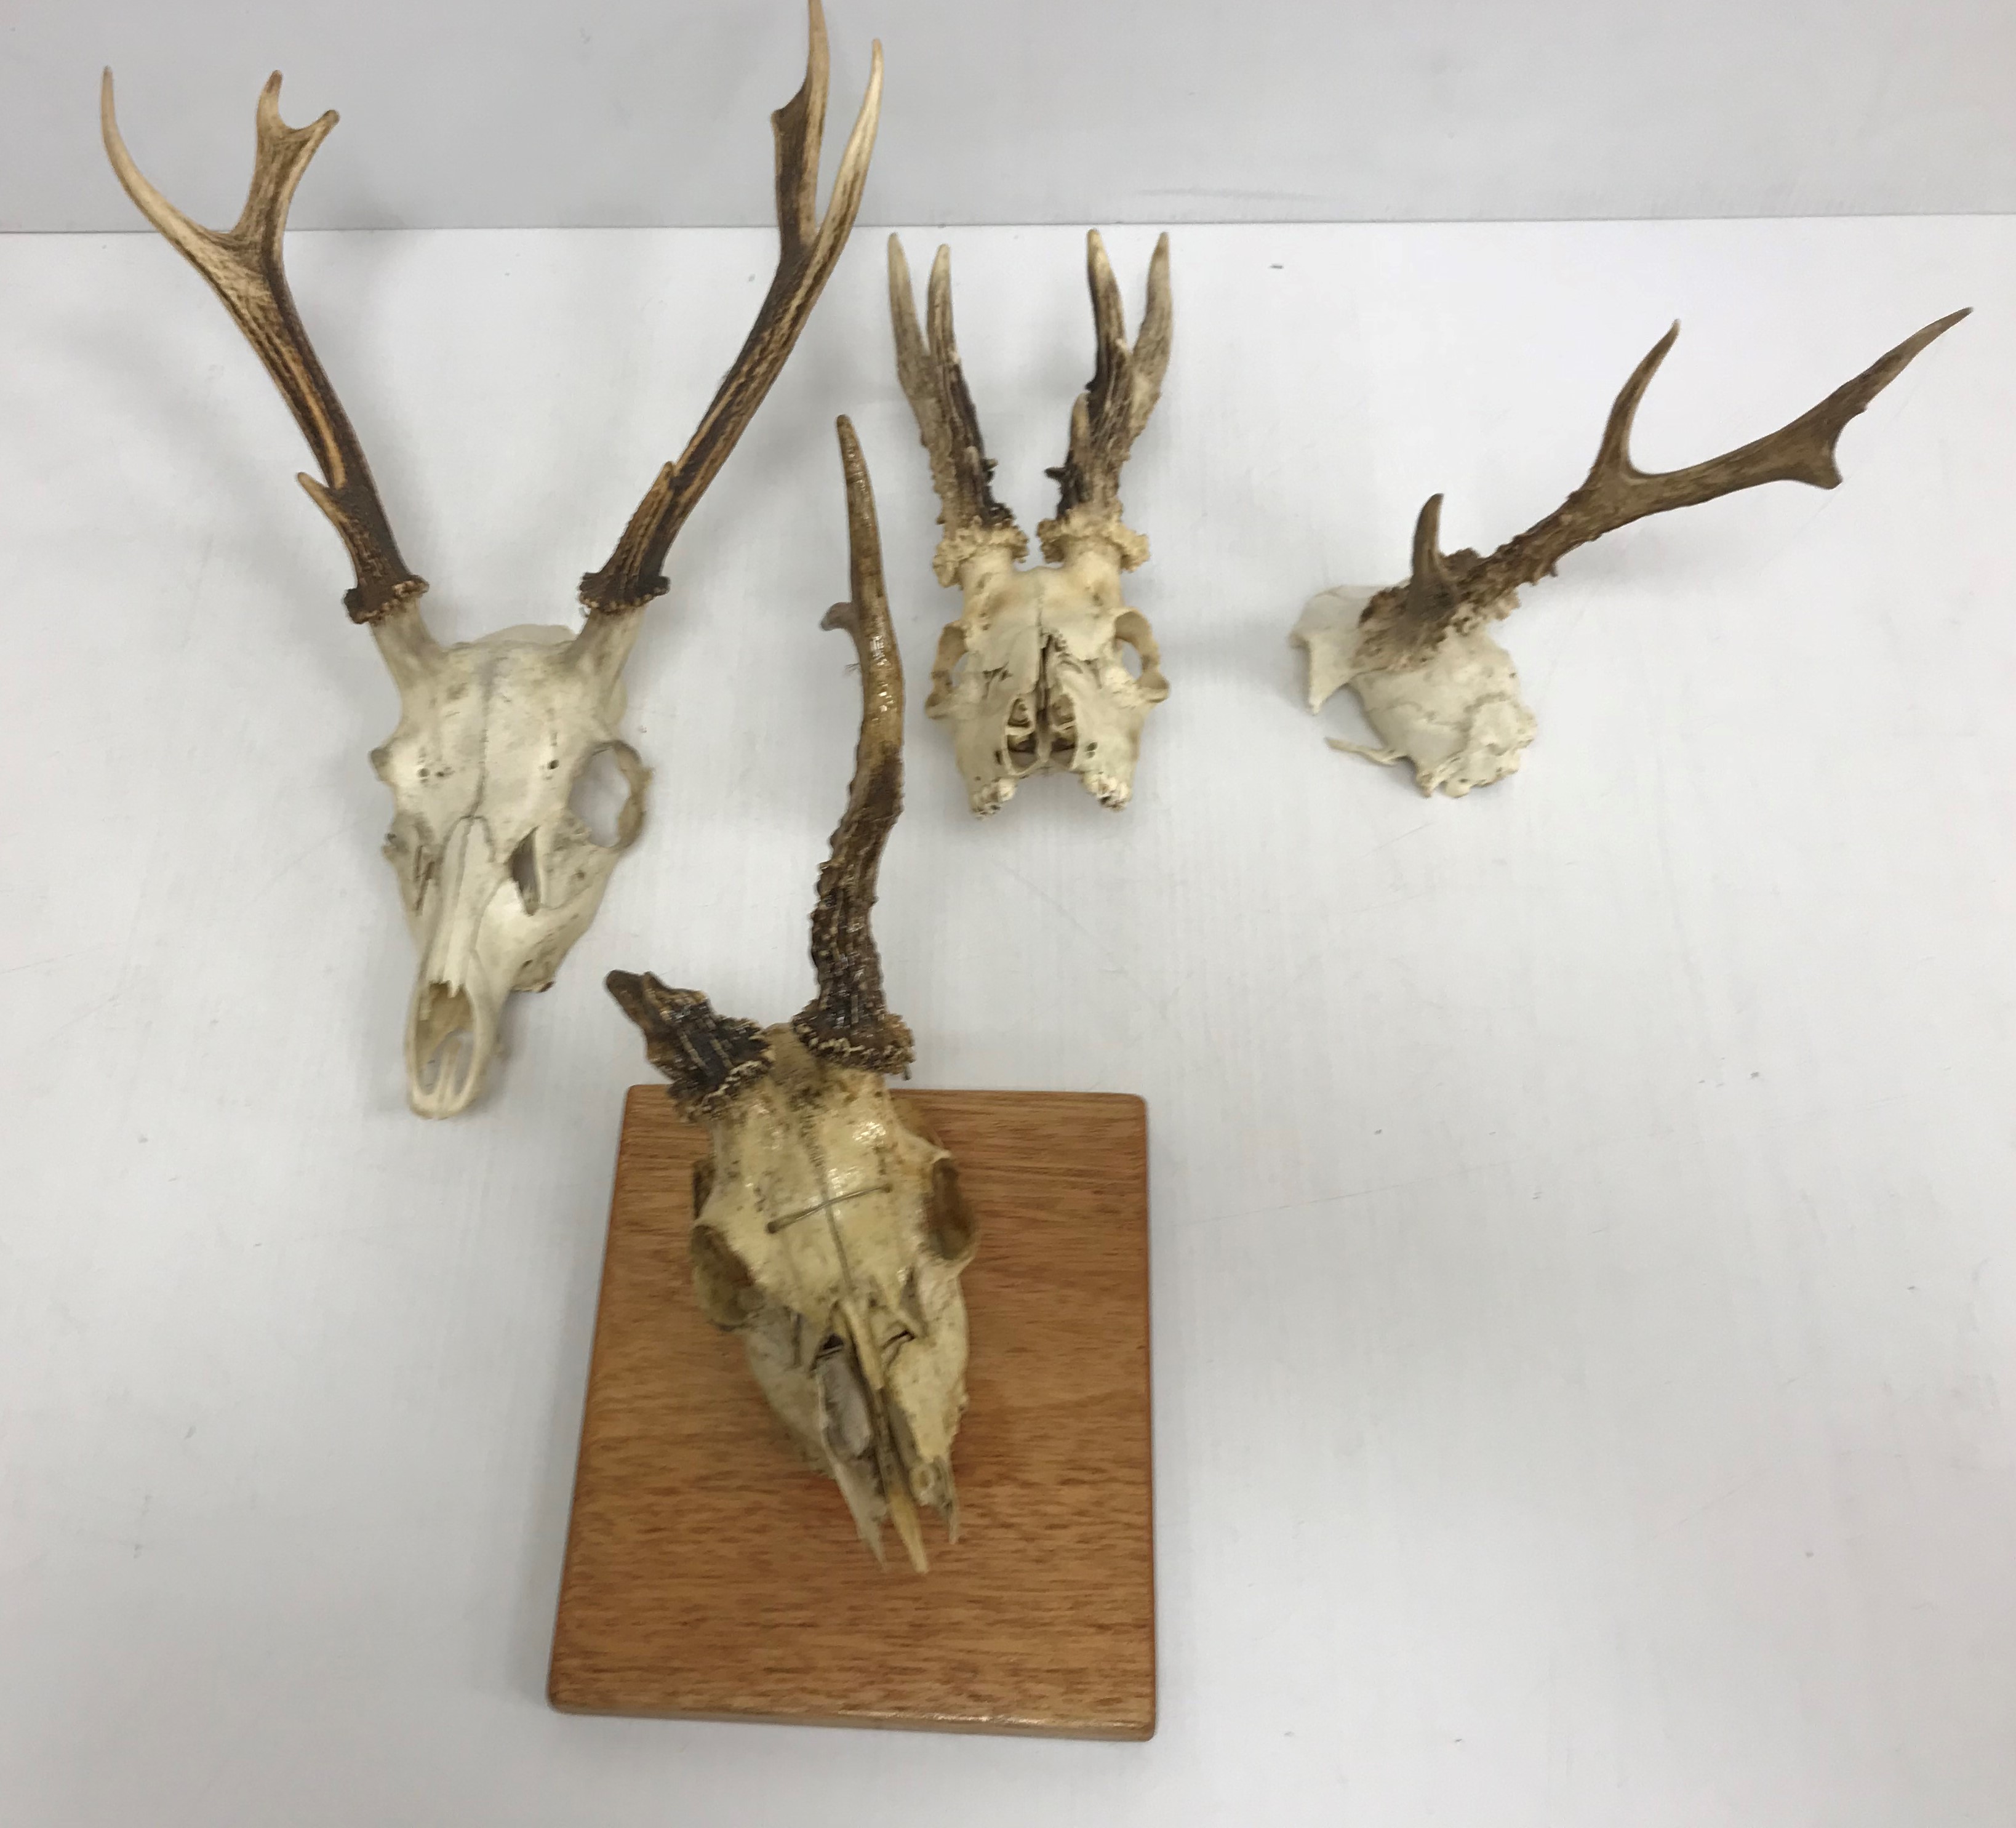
<point x="245" y="269"/>
<point x="1405" y="624"/>
<point x="805" y="259"/>
<point x="1113" y="409"/>
<point x="947" y="426"/>
<point x="849" y="1021"/>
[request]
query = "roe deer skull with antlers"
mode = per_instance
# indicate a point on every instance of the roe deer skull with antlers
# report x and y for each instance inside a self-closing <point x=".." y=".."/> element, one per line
<point x="1436" y="688"/>
<point x="1043" y="685"/>
<point x="827" y="1230"/>
<point x="499" y="874"/>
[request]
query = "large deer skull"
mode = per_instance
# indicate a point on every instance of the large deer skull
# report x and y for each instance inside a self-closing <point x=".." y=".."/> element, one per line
<point x="828" y="1232"/>
<point x="498" y="875"/>
<point x="1032" y="677"/>
<point x="1437" y="689"/>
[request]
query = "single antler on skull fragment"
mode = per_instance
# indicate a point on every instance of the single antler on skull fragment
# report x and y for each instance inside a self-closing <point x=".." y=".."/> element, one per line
<point x="499" y="874"/>
<point x="1436" y="687"/>
<point x="827" y="1231"/>
<point x="1044" y="685"/>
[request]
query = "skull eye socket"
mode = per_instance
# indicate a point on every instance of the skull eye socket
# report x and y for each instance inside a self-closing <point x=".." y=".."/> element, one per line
<point x="605" y="798"/>
<point x="727" y="1292"/>
<point x="949" y="1225"/>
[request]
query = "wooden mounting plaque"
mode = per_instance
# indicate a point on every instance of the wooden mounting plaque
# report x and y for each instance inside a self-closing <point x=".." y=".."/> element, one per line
<point x="710" y="1574"/>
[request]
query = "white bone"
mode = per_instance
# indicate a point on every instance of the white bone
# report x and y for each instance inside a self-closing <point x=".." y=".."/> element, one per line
<point x="843" y="1290"/>
<point x="1458" y="718"/>
<point x="499" y="874"/>
<point x="1033" y="678"/>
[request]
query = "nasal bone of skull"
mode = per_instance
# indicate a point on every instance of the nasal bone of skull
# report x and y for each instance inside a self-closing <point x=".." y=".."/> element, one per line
<point x="451" y="1025"/>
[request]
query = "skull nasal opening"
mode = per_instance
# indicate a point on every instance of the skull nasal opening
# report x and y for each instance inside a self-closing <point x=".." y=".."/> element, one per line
<point x="444" y="1058"/>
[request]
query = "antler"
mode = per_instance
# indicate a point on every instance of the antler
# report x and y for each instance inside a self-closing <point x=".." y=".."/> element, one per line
<point x="708" y="1056"/>
<point x="807" y="250"/>
<point x="245" y="270"/>
<point x="1404" y="624"/>
<point x="1110" y="414"/>
<point x="962" y="472"/>
<point x="849" y="1022"/>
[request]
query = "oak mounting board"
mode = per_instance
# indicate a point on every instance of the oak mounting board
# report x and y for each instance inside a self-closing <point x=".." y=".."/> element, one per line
<point x="710" y="1574"/>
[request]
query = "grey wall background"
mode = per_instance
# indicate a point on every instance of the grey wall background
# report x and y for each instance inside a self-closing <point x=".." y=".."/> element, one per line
<point x="514" y="113"/>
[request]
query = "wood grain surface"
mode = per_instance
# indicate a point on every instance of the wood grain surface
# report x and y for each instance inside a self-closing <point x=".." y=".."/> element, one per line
<point x="709" y="1574"/>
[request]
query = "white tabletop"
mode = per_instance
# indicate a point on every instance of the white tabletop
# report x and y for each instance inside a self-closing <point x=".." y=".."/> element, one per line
<point x="1584" y="1313"/>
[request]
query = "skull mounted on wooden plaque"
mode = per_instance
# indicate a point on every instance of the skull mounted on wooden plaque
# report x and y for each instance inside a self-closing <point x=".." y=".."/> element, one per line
<point x="829" y="1231"/>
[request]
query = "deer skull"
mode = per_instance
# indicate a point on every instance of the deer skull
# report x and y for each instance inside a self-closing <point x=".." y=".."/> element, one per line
<point x="498" y="875"/>
<point x="1033" y="677"/>
<point x="1443" y="695"/>
<point x="828" y="1232"/>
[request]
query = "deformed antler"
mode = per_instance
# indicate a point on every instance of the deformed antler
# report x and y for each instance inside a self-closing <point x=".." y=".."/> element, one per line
<point x="807" y="249"/>
<point x="1110" y="413"/>
<point x="849" y="1022"/>
<point x="962" y="472"/>
<point x="1402" y="626"/>
<point x="245" y="269"/>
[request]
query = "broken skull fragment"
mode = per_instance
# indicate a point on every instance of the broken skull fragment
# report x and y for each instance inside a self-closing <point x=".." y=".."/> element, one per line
<point x="1438" y="691"/>
<point x="499" y="874"/>
<point x="828" y="1230"/>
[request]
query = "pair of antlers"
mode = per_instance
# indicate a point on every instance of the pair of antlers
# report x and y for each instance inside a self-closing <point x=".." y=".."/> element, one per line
<point x="1404" y="625"/>
<point x="244" y="267"/>
<point x="1106" y="418"/>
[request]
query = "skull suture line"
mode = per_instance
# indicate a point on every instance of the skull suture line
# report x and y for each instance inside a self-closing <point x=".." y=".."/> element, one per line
<point x="499" y="877"/>
<point x="1438" y="691"/>
<point x="1031" y="677"/>
<point x="827" y="1230"/>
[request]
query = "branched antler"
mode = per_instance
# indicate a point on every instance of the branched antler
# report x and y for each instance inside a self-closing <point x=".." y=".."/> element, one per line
<point x="244" y="269"/>
<point x="962" y="472"/>
<point x="1403" y="625"/>
<point x="806" y="256"/>
<point x="1111" y="413"/>
<point x="849" y="1021"/>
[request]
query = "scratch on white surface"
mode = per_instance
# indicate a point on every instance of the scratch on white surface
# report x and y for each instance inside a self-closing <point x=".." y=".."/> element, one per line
<point x="293" y="863"/>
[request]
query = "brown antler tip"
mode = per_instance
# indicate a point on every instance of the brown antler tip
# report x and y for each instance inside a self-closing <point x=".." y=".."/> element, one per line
<point x="1938" y="328"/>
<point x="626" y="986"/>
<point x="1428" y="534"/>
